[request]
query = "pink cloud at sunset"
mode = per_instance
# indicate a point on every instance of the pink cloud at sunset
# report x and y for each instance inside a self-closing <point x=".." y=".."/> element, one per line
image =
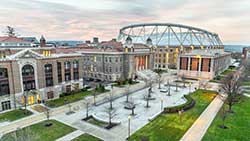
<point x="84" y="19"/>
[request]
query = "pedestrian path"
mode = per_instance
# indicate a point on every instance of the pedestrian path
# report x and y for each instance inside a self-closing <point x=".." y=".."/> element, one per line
<point x="248" y="95"/>
<point x="71" y="136"/>
<point x="97" y="131"/>
<point x="200" y="126"/>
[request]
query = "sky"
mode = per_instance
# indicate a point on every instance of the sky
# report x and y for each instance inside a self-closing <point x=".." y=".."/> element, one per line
<point x="85" y="19"/>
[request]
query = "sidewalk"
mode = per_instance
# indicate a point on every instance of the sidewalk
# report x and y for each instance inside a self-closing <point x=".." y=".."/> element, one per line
<point x="71" y="136"/>
<point x="200" y="126"/>
<point x="38" y="117"/>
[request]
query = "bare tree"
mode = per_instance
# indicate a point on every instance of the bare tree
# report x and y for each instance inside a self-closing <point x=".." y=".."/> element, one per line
<point x="10" y="31"/>
<point x="94" y="96"/>
<point x="127" y="92"/>
<point x="231" y="87"/>
<point x="169" y="88"/>
<point x="47" y="112"/>
<point x="21" y="134"/>
<point x="147" y="96"/>
<point x="132" y="107"/>
<point x="111" y="114"/>
<point x="183" y="80"/>
<point x="87" y="106"/>
<point x="110" y="99"/>
<point x="223" y="117"/>
<point x="159" y="80"/>
<point x="176" y="86"/>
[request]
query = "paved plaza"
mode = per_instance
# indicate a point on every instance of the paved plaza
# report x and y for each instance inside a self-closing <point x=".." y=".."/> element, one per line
<point x="141" y="117"/>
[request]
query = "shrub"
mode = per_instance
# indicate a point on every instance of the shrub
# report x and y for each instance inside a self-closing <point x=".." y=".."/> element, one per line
<point x="186" y="106"/>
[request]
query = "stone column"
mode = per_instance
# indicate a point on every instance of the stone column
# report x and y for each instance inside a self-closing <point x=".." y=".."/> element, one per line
<point x="189" y="61"/>
<point x="146" y="61"/>
<point x="199" y="71"/>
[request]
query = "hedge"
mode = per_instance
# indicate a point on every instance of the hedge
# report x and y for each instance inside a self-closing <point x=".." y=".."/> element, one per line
<point x="186" y="106"/>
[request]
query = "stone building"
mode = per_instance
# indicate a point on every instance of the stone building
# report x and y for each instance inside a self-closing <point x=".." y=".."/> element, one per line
<point x="203" y="64"/>
<point x="50" y="71"/>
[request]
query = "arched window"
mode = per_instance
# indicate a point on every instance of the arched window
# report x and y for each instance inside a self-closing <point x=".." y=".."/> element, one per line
<point x="4" y="82"/>
<point x="28" y="77"/>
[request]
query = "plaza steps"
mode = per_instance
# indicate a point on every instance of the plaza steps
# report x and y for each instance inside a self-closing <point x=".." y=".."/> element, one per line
<point x="147" y="75"/>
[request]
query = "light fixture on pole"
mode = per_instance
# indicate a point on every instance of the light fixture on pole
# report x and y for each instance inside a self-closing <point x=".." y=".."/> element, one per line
<point x="129" y="118"/>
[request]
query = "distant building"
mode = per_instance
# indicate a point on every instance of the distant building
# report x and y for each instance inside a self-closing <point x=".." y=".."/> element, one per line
<point x="51" y="71"/>
<point x="246" y="52"/>
<point x="30" y="39"/>
<point x="14" y="42"/>
<point x="203" y="64"/>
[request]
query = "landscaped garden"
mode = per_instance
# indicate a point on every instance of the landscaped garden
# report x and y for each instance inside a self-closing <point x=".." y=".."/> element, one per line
<point x="86" y="137"/>
<point x="217" y="79"/>
<point x="171" y="127"/>
<point x="71" y="97"/>
<point x="14" y="115"/>
<point x="237" y="124"/>
<point x="230" y="69"/>
<point x="40" y="132"/>
<point x="122" y="83"/>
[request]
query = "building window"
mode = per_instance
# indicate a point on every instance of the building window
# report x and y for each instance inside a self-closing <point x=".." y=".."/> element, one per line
<point x="48" y="75"/>
<point x="110" y="69"/>
<point x="4" y="81"/>
<point x="59" y="72"/>
<point x="6" y="105"/>
<point x="50" y="95"/>
<point x="28" y="78"/>
<point x="194" y="64"/>
<point x="120" y="68"/>
<point x="67" y="71"/>
<point x="76" y="70"/>
<point x="110" y="59"/>
<point x="46" y="53"/>
<point x="184" y="63"/>
<point x="205" y="64"/>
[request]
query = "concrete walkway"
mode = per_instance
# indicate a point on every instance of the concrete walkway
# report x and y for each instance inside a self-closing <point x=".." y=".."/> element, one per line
<point x="38" y="117"/>
<point x="200" y="126"/>
<point x="71" y="136"/>
<point x="247" y="95"/>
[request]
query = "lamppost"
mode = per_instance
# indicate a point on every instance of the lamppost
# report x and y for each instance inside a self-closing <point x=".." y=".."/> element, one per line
<point x="129" y="118"/>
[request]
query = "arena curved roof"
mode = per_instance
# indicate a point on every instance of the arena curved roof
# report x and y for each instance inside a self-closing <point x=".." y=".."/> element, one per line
<point x="169" y="34"/>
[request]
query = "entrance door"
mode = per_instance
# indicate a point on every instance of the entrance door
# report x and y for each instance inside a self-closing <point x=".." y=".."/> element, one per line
<point x="31" y="100"/>
<point x="6" y="105"/>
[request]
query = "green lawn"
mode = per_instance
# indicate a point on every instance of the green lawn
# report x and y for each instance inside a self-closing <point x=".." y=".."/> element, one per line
<point x="39" y="132"/>
<point x="14" y="115"/>
<point x="69" y="99"/>
<point x="168" y="127"/>
<point x="86" y="137"/>
<point x="228" y="71"/>
<point x="246" y="83"/>
<point x="238" y="124"/>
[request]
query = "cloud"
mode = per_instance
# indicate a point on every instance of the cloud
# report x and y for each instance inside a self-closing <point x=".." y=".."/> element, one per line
<point x="82" y="20"/>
